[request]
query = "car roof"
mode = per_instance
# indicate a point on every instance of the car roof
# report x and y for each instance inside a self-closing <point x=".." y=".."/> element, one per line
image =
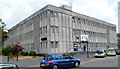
<point x="111" y="48"/>
<point x="6" y="65"/>
<point x="53" y="54"/>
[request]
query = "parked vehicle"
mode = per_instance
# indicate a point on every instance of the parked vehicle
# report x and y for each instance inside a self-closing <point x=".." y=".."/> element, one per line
<point x="57" y="61"/>
<point x="117" y="51"/>
<point x="111" y="52"/>
<point x="100" y="53"/>
<point x="8" y="66"/>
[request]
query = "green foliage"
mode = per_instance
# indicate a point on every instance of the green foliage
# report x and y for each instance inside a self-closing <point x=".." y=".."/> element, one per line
<point x="32" y="53"/>
<point x="23" y="53"/>
<point x="8" y="46"/>
<point x="118" y="35"/>
<point x="6" y="51"/>
<point x="4" y="35"/>
<point x="0" y="52"/>
<point x="11" y="55"/>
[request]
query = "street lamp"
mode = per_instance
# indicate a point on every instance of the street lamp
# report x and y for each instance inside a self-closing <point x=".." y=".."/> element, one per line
<point x="2" y="24"/>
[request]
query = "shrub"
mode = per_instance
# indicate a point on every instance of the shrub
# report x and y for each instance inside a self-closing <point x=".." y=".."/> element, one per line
<point x="5" y="51"/>
<point x="23" y="53"/>
<point x="0" y="52"/>
<point x="32" y="53"/>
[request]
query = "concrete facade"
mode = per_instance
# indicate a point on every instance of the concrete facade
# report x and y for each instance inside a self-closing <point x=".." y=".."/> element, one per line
<point x="0" y="36"/>
<point x="119" y="17"/>
<point x="118" y="43"/>
<point x="55" y="30"/>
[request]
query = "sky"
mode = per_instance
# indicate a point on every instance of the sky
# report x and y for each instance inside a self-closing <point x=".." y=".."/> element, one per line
<point x="14" y="11"/>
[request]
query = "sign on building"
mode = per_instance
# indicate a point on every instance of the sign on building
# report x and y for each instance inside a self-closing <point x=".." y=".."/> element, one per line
<point x="84" y="38"/>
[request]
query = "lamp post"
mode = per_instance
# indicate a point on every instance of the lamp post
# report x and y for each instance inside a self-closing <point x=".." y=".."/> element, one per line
<point x="2" y="29"/>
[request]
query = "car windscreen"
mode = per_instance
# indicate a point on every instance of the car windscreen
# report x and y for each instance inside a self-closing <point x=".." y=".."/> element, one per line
<point x="47" y="58"/>
<point x="57" y="57"/>
<point x="99" y="52"/>
<point x="111" y="50"/>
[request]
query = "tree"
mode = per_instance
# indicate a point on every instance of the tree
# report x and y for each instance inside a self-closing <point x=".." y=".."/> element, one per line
<point x="118" y="35"/>
<point x="6" y="51"/>
<point x="16" y="49"/>
<point x="4" y="34"/>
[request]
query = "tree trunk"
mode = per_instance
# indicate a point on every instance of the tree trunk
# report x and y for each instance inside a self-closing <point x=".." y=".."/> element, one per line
<point x="8" y="58"/>
<point x="17" y="57"/>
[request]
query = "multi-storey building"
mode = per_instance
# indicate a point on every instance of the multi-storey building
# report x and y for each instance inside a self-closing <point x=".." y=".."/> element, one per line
<point x="119" y="17"/>
<point x="0" y="36"/>
<point x="119" y="23"/>
<point x="118" y="43"/>
<point x="56" y="29"/>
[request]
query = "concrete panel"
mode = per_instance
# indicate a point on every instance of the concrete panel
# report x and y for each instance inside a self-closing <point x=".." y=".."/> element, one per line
<point x="60" y="46"/>
<point x="56" y="36"/>
<point x="70" y="21"/>
<point x="64" y="33"/>
<point x="60" y="38"/>
<point x="52" y="36"/>
<point x="56" y="22"/>
<point x="59" y="19"/>
<point x="52" y="21"/>
<point x="68" y="34"/>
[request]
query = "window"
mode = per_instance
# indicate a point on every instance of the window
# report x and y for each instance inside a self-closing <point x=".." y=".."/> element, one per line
<point x="56" y="44"/>
<point x="51" y="14"/>
<point x="46" y="44"/>
<point x="84" y="21"/>
<point x="46" y="14"/>
<point x="41" y="45"/>
<point x="54" y="29"/>
<point x="52" y="44"/>
<point x="78" y="20"/>
<point x="45" y="29"/>
<point x="55" y="14"/>
<point x="40" y="30"/>
<point x="73" y="19"/>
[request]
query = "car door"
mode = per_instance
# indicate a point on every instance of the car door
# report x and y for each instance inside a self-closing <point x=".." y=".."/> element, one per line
<point x="61" y="62"/>
<point x="68" y="60"/>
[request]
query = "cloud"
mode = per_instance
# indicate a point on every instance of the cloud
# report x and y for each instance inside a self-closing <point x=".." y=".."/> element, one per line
<point x="101" y="9"/>
<point x="14" y="11"/>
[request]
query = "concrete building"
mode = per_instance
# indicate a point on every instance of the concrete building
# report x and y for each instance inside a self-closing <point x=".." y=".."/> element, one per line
<point x="119" y="23"/>
<point x="0" y="36"/>
<point x="56" y="29"/>
<point x="119" y="17"/>
<point x="118" y="43"/>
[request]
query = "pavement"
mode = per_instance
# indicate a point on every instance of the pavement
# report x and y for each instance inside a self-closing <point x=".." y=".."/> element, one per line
<point x="36" y="62"/>
<point x="109" y="61"/>
<point x="83" y="57"/>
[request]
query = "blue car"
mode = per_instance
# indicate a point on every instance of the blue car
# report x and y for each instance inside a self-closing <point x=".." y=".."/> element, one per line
<point x="58" y="61"/>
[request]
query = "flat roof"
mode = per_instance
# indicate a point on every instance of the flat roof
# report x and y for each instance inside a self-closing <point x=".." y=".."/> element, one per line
<point x="58" y="9"/>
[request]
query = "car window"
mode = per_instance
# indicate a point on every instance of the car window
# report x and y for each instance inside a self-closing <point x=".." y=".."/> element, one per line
<point x="58" y="57"/>
<point x="99" y="51"/>
<point x="47" y="58"/>
<point x="66" y="57"/>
